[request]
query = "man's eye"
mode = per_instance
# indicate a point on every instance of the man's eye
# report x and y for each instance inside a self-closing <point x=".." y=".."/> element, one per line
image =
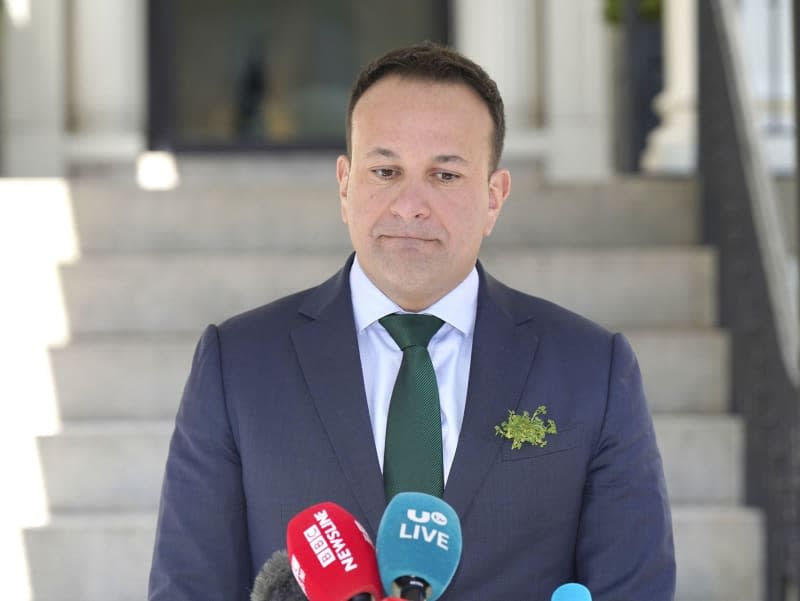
<point x="384" y="173"/>
<point x="446" y="176"/>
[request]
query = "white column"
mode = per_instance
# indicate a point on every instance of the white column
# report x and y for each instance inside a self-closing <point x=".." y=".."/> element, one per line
<point x="577" y="90"/>
<point x="501" y="37"/>
<point x="32" y="101"/>
<point x="672" y="146"/>
<point x="766" y="29"/>
<point x="108" y="80"/>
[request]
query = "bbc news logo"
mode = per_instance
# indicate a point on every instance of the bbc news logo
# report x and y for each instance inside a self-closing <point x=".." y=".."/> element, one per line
<point x="327" y="543"/>
<point x="319" y="546"/>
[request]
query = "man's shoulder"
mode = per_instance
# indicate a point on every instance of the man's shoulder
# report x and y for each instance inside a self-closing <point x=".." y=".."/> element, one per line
<point x="281" y="311"/>
<point x="287" y="312"/>
<point x="283" y="314"/>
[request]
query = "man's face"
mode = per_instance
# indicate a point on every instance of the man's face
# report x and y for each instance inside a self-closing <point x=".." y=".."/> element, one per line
<point x="416" y="194"/>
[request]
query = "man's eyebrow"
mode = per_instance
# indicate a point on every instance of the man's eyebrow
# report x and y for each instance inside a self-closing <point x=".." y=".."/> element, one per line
<point x="440" y="158"/>
<point x="450" y="158"/>
<point x="383" y="152"/>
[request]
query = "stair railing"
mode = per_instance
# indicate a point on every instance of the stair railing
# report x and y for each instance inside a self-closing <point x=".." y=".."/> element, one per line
<point x="741" y="219"/>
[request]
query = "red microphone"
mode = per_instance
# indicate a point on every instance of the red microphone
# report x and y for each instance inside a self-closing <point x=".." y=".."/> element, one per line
<point x="332" y="556"/>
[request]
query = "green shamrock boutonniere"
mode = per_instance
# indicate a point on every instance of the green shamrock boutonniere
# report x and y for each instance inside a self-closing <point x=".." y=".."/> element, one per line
<point x="526" y="428"/>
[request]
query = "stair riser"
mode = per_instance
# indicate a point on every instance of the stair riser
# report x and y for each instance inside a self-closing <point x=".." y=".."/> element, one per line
<point x="268" y="217"/>
<point x="114" y="471"/>
<point x="684" y="372"/>
<point x="121" y="378"/>
<point x="132" y="377"/>
<point x="91" y="562"/>
<point x="719" y="554"/>
<point x="180" y="294"/>
<point x="703" y="458"/>
<point x="109" y="470"/>
<point x="620" y="290"/>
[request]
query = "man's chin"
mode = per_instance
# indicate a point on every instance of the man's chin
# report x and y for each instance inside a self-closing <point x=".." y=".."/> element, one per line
<point x="413" y="289"/>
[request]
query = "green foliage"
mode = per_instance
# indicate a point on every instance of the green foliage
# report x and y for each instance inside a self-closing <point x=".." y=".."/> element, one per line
<point x="526" y="428"/>
<point x="648" y="10"/>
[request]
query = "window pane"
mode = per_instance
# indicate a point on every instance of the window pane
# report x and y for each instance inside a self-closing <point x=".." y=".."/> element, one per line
<point x="278" y="72"/>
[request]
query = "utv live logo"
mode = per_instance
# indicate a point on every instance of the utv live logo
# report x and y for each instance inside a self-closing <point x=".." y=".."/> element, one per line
<point x="426" y="526"/>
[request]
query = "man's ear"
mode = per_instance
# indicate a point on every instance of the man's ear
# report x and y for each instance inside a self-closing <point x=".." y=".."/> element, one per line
<point x="499" y="189"/>
<point x="343" y="177"/>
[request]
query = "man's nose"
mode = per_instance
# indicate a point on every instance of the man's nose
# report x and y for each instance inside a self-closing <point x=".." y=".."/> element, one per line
<point x="411" y="201"/>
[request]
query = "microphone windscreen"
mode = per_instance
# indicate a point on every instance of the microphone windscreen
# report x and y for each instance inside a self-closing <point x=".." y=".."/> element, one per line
<point x="420" y="536"/>
<point x="572" y="591"/>
<point x="275" y="581"/>
<point x="331" y="554"/>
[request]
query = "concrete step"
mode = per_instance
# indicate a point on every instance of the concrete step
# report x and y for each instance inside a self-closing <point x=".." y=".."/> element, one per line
<point x="720" y="553"/>
<point x="179" y="293"/>
<point x="91" y="557"/>
<point x="621" y="289"/>
<point x="719" y="441"/>
<point x="140" y="377"/>
<point x="118" y="465"/>
<point x="257" y="216"/>
<point x="615" y="213"/>
<point x="97" y="557"/>
<point x="121" y="377"/>
<point x="105" y="465"/>
<point x="684" y="371"/>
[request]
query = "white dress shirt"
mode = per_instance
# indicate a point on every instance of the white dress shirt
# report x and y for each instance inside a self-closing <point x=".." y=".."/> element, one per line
<point x="450" y="350"/>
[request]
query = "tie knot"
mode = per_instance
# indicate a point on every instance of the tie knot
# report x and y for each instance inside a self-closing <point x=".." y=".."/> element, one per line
<point x="411" y="329"/>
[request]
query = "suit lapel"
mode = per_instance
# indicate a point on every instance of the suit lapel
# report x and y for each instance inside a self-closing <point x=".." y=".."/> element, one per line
<point x="327" y="349"/>
<point x="504" y="345"/>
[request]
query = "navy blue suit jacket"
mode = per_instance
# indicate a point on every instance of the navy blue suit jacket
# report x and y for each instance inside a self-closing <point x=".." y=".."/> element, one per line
<point x="274" y="419"/>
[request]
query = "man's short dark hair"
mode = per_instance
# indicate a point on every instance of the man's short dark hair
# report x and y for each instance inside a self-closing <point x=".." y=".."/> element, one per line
<point x="433" y="62"/>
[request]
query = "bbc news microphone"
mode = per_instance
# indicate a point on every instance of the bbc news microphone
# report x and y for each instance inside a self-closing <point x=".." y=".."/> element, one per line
<point x="572" y="591"/>
<point x="275" y="581"/>
<point x="419" y="546"/>
<point x="331" y="555"/>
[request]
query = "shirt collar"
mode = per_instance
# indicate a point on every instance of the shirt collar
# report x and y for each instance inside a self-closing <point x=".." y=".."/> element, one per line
<point x="457" y="307"/>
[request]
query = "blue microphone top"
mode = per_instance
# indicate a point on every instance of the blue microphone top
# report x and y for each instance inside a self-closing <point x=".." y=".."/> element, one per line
<point x="419" y="536"/>
<point x="572" y="591"/>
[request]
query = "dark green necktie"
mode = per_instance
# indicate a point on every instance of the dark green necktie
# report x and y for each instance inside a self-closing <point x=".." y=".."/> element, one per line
<point x="412" y="460"/>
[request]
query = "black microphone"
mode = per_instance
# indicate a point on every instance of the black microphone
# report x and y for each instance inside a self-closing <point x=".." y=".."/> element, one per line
<point x="275" y="581"/>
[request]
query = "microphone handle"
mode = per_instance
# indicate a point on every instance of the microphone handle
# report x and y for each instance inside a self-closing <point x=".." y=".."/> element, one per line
<point x="412" y="589"/>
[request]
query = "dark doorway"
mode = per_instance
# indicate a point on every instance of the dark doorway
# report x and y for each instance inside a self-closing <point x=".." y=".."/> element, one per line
<point x="269" y="74"/>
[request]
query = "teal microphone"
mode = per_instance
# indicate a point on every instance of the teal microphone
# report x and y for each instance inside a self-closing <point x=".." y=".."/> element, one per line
<point x="418" y="546"/>
<point x="572" y="591"/>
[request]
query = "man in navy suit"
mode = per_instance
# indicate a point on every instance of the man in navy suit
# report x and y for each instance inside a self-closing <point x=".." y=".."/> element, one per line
<point x="286" y="405"/>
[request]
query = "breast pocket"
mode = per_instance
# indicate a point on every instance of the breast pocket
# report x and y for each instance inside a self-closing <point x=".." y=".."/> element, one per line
<point x="567" y="438"/>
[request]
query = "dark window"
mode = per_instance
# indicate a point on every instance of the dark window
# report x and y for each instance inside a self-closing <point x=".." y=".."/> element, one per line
<point x="261" y="74"/>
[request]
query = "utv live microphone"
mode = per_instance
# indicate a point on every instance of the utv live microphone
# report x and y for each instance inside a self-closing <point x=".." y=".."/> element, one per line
<point x="572" y="591"/>
<point x="332" y="556"/>
<point x="275" y="581"/>
<point x="419" y="546"/>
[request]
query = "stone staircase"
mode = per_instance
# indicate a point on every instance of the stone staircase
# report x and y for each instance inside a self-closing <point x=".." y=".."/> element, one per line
<point x="156" y="267"/>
